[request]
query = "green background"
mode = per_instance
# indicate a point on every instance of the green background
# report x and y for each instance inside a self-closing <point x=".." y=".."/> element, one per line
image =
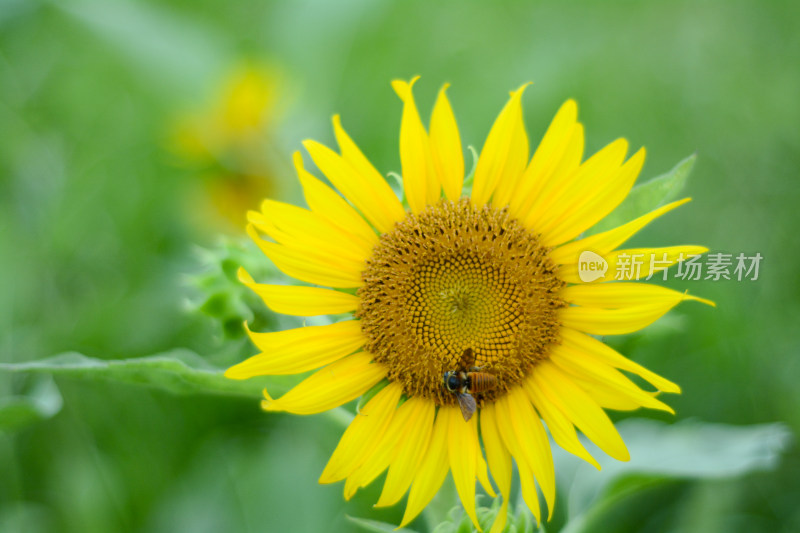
<point x="98" y="242"/>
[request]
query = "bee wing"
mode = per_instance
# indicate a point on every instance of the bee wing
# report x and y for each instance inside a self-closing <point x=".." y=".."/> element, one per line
<point x="467" y="404"/>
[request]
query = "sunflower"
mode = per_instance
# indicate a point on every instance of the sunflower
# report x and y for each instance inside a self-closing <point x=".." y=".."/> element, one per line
<point x="225" y="140"/>
<point x="492" y="274"/>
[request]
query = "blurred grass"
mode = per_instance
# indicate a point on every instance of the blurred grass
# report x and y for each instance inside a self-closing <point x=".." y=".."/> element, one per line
<point x="96" y="232"/>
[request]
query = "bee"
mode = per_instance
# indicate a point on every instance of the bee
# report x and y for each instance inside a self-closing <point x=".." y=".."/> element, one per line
<point x="464" y="383"/>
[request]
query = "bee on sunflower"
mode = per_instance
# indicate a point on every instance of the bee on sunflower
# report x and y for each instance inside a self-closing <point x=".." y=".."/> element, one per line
<point x="492" y="275"/>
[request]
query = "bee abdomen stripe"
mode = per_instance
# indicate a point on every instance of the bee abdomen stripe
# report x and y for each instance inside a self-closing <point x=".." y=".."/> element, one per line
<point x="481" y="382"/>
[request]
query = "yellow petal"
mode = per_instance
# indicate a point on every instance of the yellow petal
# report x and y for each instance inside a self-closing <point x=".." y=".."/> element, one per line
<point x="445" y="141"/>
<point x="499" y="462"/>
<point x="560" y="427"/>
<point x="419" y="172"/>
<point x="580" y="409"/>
<point x="304" y="266"/>
<point x="303" y="229"/>
<point x="433" y="470"/>
<point x="545" y="159"/>
<point x="504" y="153"/>
<point x="308" y="246"/>
<point x="299" y="350"/>
<point x="605" y="397"/>
<point x="369" y="193"/>
<point x="505" y="427"/>
<point x="410" y="451"/>
<point x="609" y="397"/>
<point x="363" y="433"/>
<point x="332" y="386"/>
<point x="620" y="295"/>
<point x="539" y="204"/>
<point x="500" y="520"/>
<point x="562" y="195"/>
<point x="594" y="349"/>
<point x="462" y="447"/>
<point x="621" y="262"/>
<point x="593" y="200"/>
<point x="597" y="321"/>
<point x="326" y="203"/>
<point x="370" y="179"/>
<point x="413" y="411"/>
<point x="482" y="472"/>
<point x="602" y="380"/>
<point x="533" y="442"/>
<point x="603" y="243"/>
<point x="300" y="301"/>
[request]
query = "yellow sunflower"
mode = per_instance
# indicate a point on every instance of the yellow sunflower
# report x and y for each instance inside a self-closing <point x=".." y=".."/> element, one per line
<point x="227" y="138"/>
<point x="492" y="276"/>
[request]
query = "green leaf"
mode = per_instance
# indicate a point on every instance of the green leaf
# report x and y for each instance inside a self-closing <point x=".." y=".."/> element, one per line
<point x="648" y="196"/>
<point x="687" y="450"/>
<point x="42" y="402"/>
<point x="376" y="526"/>
<point x="177" y="371"/>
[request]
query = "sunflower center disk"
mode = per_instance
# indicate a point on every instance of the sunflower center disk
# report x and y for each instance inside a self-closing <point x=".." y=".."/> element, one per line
<point x="455" y="277"/>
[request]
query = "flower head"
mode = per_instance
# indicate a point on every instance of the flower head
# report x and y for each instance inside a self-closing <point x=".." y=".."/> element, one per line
<point x="483" y="289"/>
<point x="225" y="140"/>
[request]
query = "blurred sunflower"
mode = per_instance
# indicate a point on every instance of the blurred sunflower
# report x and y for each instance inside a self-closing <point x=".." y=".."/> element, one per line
<point x="493" y="275"/>
<point x="225" y="141"/>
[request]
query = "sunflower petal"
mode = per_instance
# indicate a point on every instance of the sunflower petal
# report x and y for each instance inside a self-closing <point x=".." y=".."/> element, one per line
<point x="446" y="147"/>
<point x="309" y="245"/>
<point x="534" y="443"/>
<point x="603" y="243"/>
<point x="610" y="397"/>
<point x="363" y="433"/>
<point x="599" y="378"/>
<point x="305" y="267"/>
<point x="594" y="201"/>
<point x="605" y="397"/>
<point x="369" y="178"/>
<point x="545" y="159"/>
<point x="562" y="195"/>
<point x="505" y="428"/>
<point x="499" y="463"/>
<point x="652" y="260"/>
<point x="368" y="192"/>
<point x="300" y="301"/>
<point x="462" y="448"/>
<point x="433" y="470"/>
<point x="410" y="452"/>
<point x="580" y="409"/>
<point x="332" y="386"/>
<point x="597" y="350"/>
<point x="393" y="441"/>
<point x="560" y="427"/>
<point x="419" y="173"/>
<point x="621" y="295"/>
<point x="596" y="321"/>
<point x="326" y="203"/>
<point x="299" y="350"/>
<point x="304" y="229"/>
<point x="539" y="203"/>
<point x="504" y="153"/>
<point x="481" y="470"/>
